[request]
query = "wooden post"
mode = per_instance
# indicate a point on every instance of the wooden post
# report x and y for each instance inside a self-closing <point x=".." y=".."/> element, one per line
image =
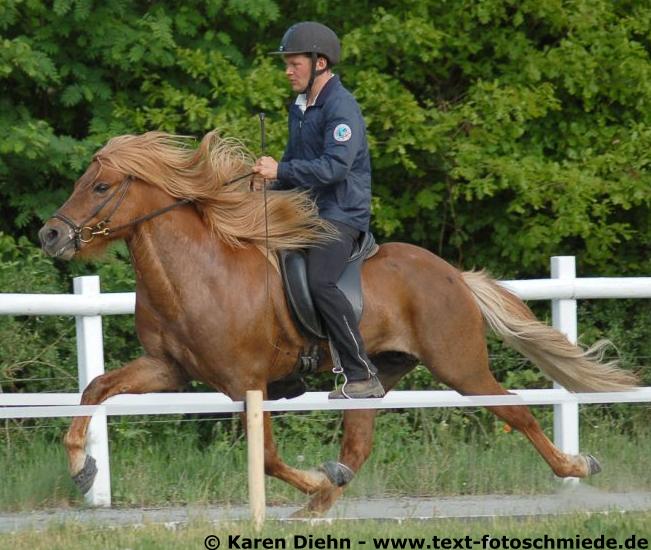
<point x="255" y="448"/>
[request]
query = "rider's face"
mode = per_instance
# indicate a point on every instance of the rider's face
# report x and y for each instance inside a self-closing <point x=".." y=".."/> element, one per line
<point x="297" y="71"/>
<point x="298" y="68"/>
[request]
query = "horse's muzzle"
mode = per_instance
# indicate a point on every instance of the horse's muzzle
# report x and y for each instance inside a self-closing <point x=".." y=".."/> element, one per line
<point x="57" y="240"/>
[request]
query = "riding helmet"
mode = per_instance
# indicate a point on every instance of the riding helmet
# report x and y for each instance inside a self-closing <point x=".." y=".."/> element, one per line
<point x="311" y="37"/>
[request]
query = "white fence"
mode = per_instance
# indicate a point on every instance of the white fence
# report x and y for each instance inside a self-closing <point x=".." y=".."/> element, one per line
<point x="87" y="304"/>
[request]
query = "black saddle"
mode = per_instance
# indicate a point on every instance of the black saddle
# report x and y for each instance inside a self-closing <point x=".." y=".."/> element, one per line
<point x="294" y="272"/>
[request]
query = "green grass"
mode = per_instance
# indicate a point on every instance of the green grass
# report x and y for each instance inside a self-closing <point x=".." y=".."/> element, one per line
<point x="620" y="527"/>
<point x="174" y="470"/>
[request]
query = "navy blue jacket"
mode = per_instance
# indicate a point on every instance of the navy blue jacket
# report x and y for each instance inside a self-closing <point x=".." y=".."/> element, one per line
<point x="327" y="153"/>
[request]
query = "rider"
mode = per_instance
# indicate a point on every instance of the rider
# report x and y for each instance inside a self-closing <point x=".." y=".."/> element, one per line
<point x="327" y="153"/>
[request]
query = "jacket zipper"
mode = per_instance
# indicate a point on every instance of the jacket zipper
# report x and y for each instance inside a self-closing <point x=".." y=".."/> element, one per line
<point x="300" y="133"/>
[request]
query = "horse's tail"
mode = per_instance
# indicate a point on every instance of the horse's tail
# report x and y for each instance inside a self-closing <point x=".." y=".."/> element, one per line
<point x="574" y="368"/>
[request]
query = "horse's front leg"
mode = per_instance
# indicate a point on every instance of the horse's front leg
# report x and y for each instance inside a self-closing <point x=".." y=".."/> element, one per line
<point x="143" y="375"/>
<point x="307" y="481"/>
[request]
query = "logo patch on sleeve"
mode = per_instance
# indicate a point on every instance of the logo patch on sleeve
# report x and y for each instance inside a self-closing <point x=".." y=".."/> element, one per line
<point x="342" y="132"/>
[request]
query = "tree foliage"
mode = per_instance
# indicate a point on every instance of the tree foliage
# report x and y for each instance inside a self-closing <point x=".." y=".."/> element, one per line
<point x="522" y="129"/>
<point x="502" y="131"/>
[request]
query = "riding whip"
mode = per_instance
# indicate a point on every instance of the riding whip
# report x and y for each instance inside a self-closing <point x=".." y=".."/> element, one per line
<point x="263" y="150"/>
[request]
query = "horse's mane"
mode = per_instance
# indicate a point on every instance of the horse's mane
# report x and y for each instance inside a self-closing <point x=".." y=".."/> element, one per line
<point x="203" y="174"/>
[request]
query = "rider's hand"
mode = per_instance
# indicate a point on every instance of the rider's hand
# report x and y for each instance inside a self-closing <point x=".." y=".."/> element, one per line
<point x="267" y="167"/>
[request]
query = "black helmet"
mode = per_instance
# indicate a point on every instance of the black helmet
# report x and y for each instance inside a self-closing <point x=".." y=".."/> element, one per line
<point x="311" y="37"/>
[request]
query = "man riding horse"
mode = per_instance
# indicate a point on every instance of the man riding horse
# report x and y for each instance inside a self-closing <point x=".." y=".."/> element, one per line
<point x="327" y="154"/>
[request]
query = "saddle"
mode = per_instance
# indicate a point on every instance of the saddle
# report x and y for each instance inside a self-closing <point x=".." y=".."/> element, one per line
<point x="297" y="292"/>
<point x="294" y="274"/>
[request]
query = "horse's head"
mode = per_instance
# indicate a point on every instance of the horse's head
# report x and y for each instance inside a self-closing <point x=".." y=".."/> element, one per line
<point x="104" y="206"/>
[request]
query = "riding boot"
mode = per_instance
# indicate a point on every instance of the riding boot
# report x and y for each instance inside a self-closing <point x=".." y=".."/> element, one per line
<point x="358" y="389"/>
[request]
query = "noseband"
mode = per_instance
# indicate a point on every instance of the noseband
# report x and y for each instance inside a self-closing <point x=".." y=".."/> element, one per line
<point x="84" y="233"/>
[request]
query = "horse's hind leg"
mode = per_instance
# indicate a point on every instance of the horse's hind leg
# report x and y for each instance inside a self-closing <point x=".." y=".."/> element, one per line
<point x="357" y="441"/>
<point x="355" y="450"/>
<point x="562" y="464"/>
<point x="142" y="375"/>
<point x="520" y="418"/>
<point x="306" y="481"/>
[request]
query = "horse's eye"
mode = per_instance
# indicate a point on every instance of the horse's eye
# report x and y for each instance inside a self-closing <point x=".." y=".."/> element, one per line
<point x="101" y="188"/>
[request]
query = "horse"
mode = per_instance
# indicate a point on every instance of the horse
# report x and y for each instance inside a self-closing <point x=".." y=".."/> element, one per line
<point x="210" y="304"/>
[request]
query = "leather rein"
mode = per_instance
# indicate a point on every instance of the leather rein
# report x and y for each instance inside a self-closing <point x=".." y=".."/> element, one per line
<point x="84" y="233"/>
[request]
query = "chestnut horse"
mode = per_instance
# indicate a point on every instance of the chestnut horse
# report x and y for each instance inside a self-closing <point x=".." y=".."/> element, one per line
<point x="209" y="307"/>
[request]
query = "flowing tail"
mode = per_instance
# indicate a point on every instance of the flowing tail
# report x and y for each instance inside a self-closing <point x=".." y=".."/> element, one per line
<point x="574" y="368"/>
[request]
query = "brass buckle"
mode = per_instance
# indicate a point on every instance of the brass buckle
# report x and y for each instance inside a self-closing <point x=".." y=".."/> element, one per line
<point x="87" y="234"/>
<point x="102" y="229"/>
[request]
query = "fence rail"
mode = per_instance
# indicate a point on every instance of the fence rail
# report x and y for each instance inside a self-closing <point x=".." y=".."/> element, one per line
<point x="36" y="405"/>
<point x="123" y="303"/>
<point x="88" y="305"/>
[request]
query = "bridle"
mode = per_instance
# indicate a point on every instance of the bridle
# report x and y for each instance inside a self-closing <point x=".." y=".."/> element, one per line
<point x="84" y="233"/>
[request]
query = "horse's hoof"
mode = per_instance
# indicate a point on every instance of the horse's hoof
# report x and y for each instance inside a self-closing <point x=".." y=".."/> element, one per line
<point x="593" y="465"/>
<point x="339" y="474"/>
<point x="86" y="476"/>
<point x="306" y="513"/>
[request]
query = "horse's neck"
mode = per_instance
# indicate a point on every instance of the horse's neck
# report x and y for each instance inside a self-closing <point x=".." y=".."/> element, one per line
<point x="171" y="255"/>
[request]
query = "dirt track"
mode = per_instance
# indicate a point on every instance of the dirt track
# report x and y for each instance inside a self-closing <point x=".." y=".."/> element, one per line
<point x="569" y="499"/>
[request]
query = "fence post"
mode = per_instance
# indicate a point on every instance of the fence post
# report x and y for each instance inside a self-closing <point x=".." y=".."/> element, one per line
<point x="255" y="454"/>
<point x="90" y="364"/>
<point x="566" y="415"/>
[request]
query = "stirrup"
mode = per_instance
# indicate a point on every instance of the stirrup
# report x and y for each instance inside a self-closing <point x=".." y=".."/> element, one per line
<point x="338" y="370"/>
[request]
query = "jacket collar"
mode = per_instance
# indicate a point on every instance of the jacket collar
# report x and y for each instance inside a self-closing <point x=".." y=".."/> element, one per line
<point x="328" y="88"/>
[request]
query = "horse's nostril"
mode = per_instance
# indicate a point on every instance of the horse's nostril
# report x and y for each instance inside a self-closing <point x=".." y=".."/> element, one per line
<point x="48" y="235"/>
<point x="52" y="235"/>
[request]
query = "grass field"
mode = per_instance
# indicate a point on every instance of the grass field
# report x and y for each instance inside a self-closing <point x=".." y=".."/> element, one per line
<point x="629" y="530"/>
<point x="175" y="471"/>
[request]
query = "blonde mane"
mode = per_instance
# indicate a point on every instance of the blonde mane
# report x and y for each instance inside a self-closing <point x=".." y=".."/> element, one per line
<point x="204" y="175"/>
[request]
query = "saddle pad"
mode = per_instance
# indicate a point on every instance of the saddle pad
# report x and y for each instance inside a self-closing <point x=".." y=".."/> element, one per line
<point x="297" y="292"/>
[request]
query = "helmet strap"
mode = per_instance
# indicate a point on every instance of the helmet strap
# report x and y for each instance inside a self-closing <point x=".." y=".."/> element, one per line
<point x="313" y="74"/>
